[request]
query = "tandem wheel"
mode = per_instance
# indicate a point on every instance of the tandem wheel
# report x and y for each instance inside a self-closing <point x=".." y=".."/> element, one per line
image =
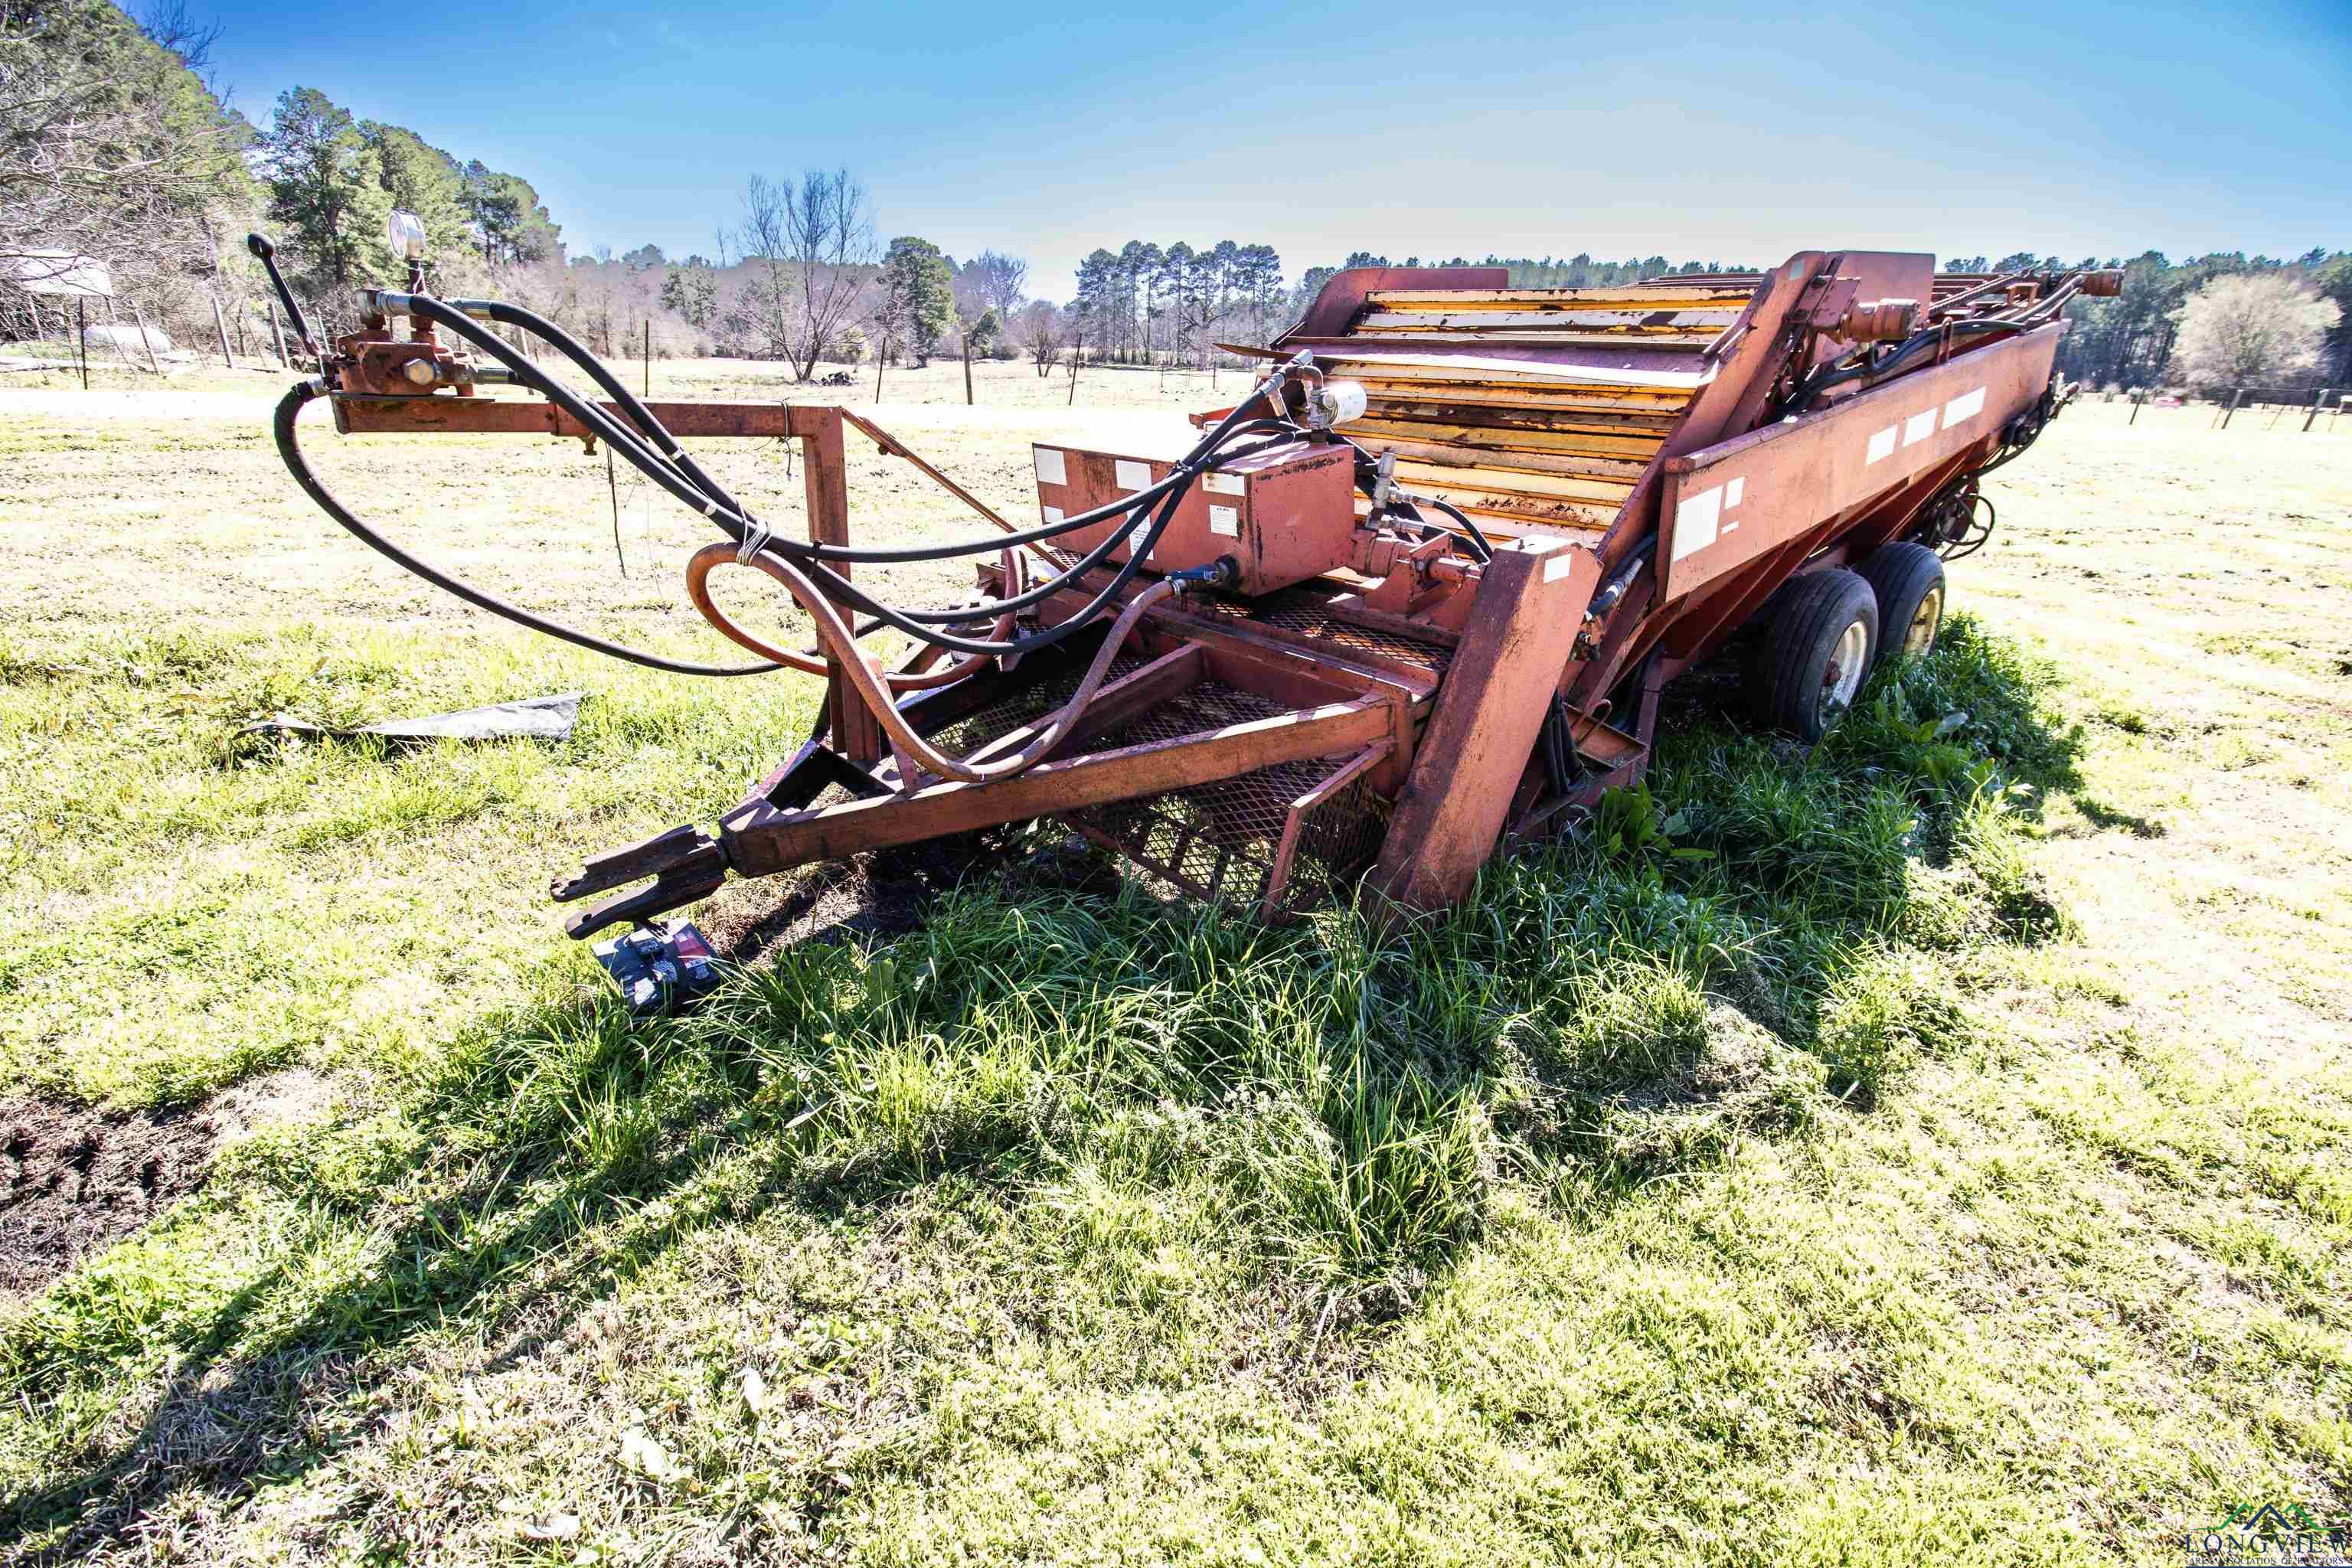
<point x="1816" y="649"/>
<point x="1909" y="580"/>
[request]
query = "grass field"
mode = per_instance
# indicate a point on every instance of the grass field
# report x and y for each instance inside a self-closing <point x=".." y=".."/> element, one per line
<point x="1930" y="1148"/>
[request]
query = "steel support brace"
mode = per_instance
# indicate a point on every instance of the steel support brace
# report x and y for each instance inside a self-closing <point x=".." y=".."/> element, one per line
<point x="762" y="840"/>
<point x="1482" y="729"/>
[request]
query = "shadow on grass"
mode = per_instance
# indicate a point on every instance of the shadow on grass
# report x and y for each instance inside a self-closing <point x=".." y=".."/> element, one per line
<point x="1735" y="951"/>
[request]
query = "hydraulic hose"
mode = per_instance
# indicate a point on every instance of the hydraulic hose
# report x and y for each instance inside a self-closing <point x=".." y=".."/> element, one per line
<point x="1614" y="589"/>
<point x="649" y="446"/>
<point x="1477" y="540"/>
<point x="713" y="502"/>
<point x="612" y="385"/>
<point x="697" y="572"/>
<point x="738" y="526"/>
<point x="669" y="447"/>
<point x="1873" y="370"/>
<point x="912" y="746"/>
<point x="290" y="447"/>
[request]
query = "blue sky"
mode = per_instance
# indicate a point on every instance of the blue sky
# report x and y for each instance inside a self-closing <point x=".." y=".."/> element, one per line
<point x="1743" y="134"/>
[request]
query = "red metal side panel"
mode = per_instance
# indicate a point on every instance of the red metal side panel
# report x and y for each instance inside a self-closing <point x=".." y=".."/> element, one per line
<point x="1335" y="309"/>
<point x="1880" y="275"/>
<point x="1723" y="506"/>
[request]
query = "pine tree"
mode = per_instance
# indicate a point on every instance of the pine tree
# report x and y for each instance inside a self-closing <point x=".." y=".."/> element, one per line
<point x="325" y="185"/>
<point x="423" y="180"/>
<point x="918" y="295"/>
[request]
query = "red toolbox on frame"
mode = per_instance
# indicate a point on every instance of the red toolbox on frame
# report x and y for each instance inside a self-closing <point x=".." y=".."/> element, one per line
<point x="1283" y="515"/>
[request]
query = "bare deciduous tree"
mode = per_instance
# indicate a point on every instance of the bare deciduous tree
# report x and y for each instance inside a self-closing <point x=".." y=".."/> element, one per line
<point x="2251" y="328"/>
<point x="995" y="282"/>
<point x="1040" y="333"/>
<point x="168" y="23"/>
<point x="108" y="147"/>
<point x="811" y="246"/>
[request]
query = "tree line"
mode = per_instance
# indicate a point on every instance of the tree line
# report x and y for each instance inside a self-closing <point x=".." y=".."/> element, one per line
<point x="2290" y="321"/>
<point x="112" y="145"/>
<point x="1144" y="302"/>
<point x="115" y="142"/>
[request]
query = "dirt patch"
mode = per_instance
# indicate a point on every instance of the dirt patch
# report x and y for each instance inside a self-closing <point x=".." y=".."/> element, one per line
<point x="293" y="1094"/>
<point x="74" y="1180"/>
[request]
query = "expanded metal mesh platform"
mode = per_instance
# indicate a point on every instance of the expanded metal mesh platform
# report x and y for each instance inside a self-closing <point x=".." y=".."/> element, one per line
<point x="1027" y="706"/>
<point x="1225" y="841"/>
<point x="1306" y="612"/>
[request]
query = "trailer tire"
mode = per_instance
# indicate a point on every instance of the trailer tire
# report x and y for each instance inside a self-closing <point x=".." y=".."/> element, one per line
<point x="1815" y="652"/>
<point x="1909" y="582"/>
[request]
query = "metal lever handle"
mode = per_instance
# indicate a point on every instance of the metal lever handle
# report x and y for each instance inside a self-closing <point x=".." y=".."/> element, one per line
<point x="267" y="254"/>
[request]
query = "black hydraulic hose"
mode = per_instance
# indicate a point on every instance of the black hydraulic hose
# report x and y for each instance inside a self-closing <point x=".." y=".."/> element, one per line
<point x="1077" y="569"/>
<point x="1366" y="462"/>
<point x="712" y="501"/>
<point x="617" y="389"/>
<point x="840" y="587"/>
<point x="1202" y="458"/>
<point x="290" y="409"/>
<point x="731" y="520"/>
<point x="1486" y="551"/>
<point x="1614" y="589"/>
<point x="1873" y="369"/>
<point x="837" y="586"/>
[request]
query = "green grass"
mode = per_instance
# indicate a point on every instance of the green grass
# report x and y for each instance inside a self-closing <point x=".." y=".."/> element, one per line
<point x="1688" y="1193"/>
<point x="189" y="902"/>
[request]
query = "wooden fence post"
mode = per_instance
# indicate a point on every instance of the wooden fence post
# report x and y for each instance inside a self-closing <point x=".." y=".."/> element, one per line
<point x="2236" y="399"/>
<point x="220" y="325"/>
<point x="2316" y="399"/>
<point x="81" y="338"/>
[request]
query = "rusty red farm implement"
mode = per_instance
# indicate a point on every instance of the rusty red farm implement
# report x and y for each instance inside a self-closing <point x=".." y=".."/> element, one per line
<point x="1412" y="600"/>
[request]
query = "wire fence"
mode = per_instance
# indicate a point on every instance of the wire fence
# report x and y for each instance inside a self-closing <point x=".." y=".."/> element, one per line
<point x="2319" y="408"/>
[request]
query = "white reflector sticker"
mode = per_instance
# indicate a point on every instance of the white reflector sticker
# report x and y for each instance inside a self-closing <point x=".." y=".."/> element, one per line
<point x="1559" y="565"/>
<point x="1225" y="520"/>
<point x="1218" y="484"/>
<point x="1050" y="471"/>
<point x="1053" y="513"/>
<point x="1967" y="406"/>
<point x="1132" y="477"/>
<point x="1694" y="521"/>
<point x="1135" y="538"/>
<point x="1918" y="427"/>
<point x="1732" y="492"/>
<point x="1882" y="444"/>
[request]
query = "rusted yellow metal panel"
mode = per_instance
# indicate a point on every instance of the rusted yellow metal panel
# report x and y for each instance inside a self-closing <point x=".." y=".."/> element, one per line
<point x="1559" y="298"/>
<point x="1481" y="440"/>
<point x="1632" y="322"/>
<point x="1518" y="482"/>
